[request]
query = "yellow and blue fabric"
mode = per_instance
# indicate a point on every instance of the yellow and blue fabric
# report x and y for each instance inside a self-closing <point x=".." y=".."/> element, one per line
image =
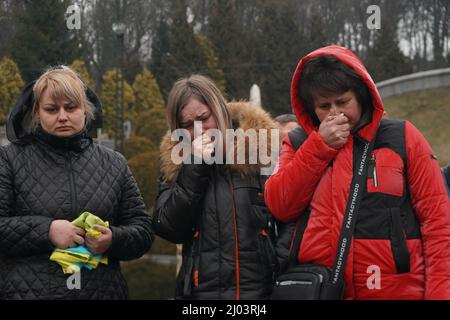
<point x="74" y="259"/>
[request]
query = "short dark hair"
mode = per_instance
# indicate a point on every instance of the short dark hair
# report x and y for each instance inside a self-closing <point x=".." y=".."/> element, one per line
<point x="327" y="75"/>
<point x="286" y="118"/>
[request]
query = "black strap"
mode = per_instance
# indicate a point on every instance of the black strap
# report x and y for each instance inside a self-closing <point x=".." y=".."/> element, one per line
<point x="361" y="151"/>
<point x="299" y="230"/>
<point x="446" y="175"/>
<point x="399" y="248"/>
<point x="297" y="137"/>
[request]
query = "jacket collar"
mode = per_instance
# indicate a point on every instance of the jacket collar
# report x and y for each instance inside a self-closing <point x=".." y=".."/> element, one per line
<point x="75" y="143"/>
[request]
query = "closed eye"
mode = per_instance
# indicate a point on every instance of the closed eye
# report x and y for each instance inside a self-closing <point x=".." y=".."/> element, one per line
<point x="71" y="107"/>
<point x="50" y="109"/>
<point x="205" y="117"/>
<point x="342" y="102"/>
<point x="186" y="125"/>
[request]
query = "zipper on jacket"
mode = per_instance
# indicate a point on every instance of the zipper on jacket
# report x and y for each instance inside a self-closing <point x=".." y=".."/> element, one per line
<point x="73" y="195"/>
<point x="296" y="282"/>
<point x="236" y="245"/>
<point x="73" y="191"/>
<point x="375" y="178"/>
<point x="196" y="257"/>
<point x="219" y="237"/>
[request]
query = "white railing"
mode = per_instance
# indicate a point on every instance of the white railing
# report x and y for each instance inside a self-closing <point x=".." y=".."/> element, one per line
<point x="416" y="81"/>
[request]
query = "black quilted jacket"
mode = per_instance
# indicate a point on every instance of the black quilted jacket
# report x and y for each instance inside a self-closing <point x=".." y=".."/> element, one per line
<point x="218" y="213"/>
<point x="42" y="179"/>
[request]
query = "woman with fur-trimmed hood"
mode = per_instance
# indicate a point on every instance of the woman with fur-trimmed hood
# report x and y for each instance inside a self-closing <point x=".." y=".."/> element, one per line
<point x="216" y="211"/>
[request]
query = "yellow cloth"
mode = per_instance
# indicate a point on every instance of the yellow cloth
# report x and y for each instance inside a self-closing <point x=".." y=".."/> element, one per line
<point x="73" y="259"/>
<point x="87" y="221"/>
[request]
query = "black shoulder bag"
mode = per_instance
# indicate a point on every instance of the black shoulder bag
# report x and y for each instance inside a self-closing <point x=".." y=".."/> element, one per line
<point x="318" y="282"/>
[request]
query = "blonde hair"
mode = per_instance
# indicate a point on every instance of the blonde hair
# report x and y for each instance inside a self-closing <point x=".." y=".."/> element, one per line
<point x="61" y="83"/>
<point x="204" y="90"/>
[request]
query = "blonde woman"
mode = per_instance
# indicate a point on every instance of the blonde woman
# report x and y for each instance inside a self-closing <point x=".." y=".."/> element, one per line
<point x="50" y="173"/>
<point x="215" y="210"/>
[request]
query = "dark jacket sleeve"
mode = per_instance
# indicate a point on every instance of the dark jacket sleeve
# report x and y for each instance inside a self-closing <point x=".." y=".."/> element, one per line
<point x="132" y="232"/>
<point x="446" y="174"/>
<point x="283" y="243"/>
<point x="177" y="203"/>
<point x="19" y="235"/>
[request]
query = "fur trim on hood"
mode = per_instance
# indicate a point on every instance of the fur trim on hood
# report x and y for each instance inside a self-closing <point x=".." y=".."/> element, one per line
<point x="244" y="116"/>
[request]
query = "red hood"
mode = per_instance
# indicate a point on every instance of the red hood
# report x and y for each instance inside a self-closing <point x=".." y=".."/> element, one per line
<point x="351" y="60"/>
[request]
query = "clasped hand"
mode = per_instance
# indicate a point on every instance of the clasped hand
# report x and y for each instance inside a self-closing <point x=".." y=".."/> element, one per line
<point x="63" y="234"/>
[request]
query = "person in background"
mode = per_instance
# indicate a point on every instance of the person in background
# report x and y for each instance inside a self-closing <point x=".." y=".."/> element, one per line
<point x="446" y="173"/>
<point x="286" y="123"/>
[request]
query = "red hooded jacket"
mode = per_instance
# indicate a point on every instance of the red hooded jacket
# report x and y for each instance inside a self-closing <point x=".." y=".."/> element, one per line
<point x="305" y="178"/>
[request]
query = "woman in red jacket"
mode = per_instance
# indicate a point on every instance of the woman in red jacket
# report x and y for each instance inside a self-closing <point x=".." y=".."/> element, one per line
<point x="403" y="224"/>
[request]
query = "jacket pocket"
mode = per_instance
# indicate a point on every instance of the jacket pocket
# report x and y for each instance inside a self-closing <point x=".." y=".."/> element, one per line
<point x="400" y="251"/>
<point x="385" y="173"/>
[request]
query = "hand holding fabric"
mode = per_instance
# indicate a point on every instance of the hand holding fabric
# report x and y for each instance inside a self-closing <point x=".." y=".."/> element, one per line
<point x="63" y="234"/>
<point x="96" y="232"/>
<point x="99" y="245"/>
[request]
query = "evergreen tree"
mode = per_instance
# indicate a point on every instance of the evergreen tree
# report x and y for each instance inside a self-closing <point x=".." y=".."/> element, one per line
<point x="160" y="48"/>
<point x="315" y="35"/>
<point x="233" y="50"/>
<point x="11" y="84"/>
<point x="145" y="168"/>
<point x="136" y="145"/>
<point x="211" y="61"/>
<point x="110" y="99"/>
<point x="385" y="59"/>
<point x="277" y="53"/>
<point x="80" y="67"/>
<point x="179" y="55"/>
<point x="152" y="125"/>
<point x="43" y="39"/>
<point x="148" y="117"/>
<point x="147" y="93"/>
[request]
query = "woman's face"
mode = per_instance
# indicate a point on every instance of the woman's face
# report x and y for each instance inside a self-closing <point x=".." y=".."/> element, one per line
<point x="345" y="103"/>
<point x="60" y="118"/>
<point x="195" y="110"/>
